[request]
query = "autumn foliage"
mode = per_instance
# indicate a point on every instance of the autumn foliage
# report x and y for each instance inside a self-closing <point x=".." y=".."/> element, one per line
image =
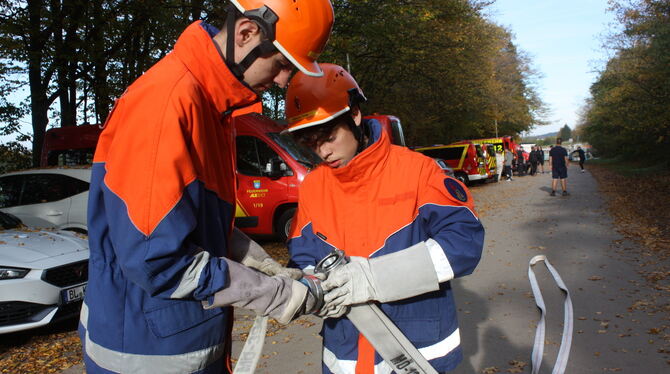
<point x="628" y="114"/>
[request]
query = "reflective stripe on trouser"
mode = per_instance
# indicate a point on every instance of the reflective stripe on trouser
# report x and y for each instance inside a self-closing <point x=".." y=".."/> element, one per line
<point x="437" y="350"/>
<point x="120" y="362"/>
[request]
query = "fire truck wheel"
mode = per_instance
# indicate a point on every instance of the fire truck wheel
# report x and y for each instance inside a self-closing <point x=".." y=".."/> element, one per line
<point x="283" y="224"/>
<point x="463" y="178"/>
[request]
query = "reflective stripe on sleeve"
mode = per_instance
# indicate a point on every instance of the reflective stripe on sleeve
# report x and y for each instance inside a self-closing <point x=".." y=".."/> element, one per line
<point x="189" y="281"/>
<point x="120" y="362"/>
<point x="440" y="261"/>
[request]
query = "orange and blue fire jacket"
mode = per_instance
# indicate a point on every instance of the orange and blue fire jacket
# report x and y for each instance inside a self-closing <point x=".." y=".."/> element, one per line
<point x="161" y="208"/>
<point x="386" y="199"/>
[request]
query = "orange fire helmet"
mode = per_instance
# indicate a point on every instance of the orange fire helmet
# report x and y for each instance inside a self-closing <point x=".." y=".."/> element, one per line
<point x="299" y="29"/>
<point x="312" y="101"/>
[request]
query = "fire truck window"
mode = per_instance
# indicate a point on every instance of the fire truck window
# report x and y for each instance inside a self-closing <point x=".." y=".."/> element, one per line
<point x="451" y="153"/>
<point x="70" y="157"/>
<point x="266" y="154"/>
<point x="10" y="191"/>
<point x="247" y="156"/>
<point x="253" y="155"/>
<point x="478" y="149"/>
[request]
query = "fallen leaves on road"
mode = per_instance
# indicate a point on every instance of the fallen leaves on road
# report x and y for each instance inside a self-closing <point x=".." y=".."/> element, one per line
<point x="47" y="350"/>
<point x="640" y="207"/>
<point x="517" y="366"/>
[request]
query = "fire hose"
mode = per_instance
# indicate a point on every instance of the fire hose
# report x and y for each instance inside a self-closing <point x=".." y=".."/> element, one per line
<point x="391" y="344"/>
<point x="566" y="341"/>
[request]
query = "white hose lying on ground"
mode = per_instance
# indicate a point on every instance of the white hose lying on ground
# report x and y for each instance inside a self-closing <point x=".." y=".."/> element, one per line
<point x="566" y="342"/>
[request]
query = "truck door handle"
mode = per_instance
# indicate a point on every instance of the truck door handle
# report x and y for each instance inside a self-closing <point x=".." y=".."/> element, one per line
<point x="55" y="213"/>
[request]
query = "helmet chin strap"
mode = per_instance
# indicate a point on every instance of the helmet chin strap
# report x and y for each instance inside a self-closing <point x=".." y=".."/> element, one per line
<point x="356" y="97"/>
<point x="266" y="20"/>
<point x="360" y="133"/>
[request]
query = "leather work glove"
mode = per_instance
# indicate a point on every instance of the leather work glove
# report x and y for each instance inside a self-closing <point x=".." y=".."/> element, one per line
<point x="332" y="311"/>
<point x="281" y="298"/>
<point x="249" y="253"/>
<point x="395" y="276"/>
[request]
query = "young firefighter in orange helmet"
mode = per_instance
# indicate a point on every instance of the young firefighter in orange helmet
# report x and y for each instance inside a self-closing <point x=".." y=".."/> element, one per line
<point x="407" y="228"/>
<point x="166" y="266"/>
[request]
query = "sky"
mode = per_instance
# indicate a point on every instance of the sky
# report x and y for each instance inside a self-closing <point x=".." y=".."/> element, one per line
<point x="564" y="42"/>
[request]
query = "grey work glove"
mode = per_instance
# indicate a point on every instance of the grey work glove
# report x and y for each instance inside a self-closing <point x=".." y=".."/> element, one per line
<point x="332" y="311"/>
<point x="328" y="311"/>
<point x="281" y="298"/>
<point x="249" y="253"/>
<point x="395" y="276"/>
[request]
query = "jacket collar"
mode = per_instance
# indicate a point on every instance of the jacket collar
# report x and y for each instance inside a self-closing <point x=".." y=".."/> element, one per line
<point x="370" y="162"/>
<point x="197" y="51"/>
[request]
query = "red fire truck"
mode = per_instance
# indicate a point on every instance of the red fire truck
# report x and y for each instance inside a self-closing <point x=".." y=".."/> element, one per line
<point x="464" y="157"/>
<point x="70" y="145"/>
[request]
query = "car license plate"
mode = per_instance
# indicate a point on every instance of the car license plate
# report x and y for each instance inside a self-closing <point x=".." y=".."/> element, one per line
<point x="73" y="294"/>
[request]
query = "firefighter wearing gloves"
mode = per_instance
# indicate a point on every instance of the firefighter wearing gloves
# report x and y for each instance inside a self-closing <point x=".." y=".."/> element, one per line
<point x="163" y="270"/>
<point x="406" y="227"/>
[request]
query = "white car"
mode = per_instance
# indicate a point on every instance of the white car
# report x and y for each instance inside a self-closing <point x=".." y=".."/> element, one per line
<point x="43" y="275"/>
<point x="47" y="198"/>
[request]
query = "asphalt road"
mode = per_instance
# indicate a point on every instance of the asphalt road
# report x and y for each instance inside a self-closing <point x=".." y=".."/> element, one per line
<point x="614" y="330"/>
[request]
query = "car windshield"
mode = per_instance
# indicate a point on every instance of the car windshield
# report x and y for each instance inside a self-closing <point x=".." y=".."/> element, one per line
<point x="301" y="154"/>
<point x="8" y="222"/>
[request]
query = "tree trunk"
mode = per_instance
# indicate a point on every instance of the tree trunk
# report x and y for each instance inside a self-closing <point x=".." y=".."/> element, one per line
<point x="99" y="85"/>
<point x="61" y="62"/>
<point x="38" y="99"/>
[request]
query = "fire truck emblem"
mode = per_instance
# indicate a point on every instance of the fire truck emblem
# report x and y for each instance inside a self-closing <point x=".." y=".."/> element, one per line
<point x="257" y="184"/>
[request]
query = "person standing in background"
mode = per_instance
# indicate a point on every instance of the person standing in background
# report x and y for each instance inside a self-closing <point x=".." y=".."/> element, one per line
<point x="533" y="160"/>
<point x="509" y="159"/>
<point x="500" y="163"/>
<point x="558" y="159"/>
<point x="582" y="157"/>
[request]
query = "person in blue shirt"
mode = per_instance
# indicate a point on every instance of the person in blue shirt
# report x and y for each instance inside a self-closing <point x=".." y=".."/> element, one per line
<point x="558" y="159"/>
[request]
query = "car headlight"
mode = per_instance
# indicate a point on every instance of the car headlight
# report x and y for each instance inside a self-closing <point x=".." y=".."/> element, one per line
<point x="12" y="273"/>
